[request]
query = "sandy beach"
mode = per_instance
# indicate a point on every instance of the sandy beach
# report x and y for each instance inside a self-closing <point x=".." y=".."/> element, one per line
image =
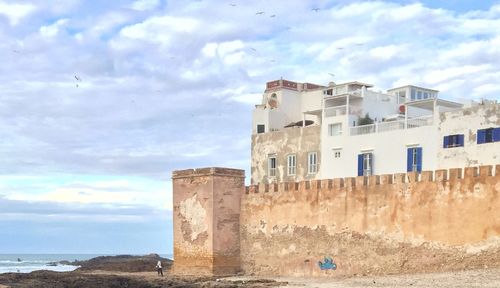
<point x="136" y="271"/>
<point x="489" y="278"/>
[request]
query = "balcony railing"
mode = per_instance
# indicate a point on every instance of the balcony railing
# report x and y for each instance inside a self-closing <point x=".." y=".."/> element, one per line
<point x="392" y="125"/>
<point x="335" y="111"/>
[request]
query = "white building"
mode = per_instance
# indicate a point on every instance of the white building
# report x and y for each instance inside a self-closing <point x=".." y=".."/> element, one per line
<point x="307" y="131"/>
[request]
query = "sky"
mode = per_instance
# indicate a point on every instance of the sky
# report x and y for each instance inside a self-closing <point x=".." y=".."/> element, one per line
<point x="101" y="100"/>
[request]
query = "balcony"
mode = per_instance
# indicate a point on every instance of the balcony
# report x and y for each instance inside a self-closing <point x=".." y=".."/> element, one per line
<point x="391" y="126"/>
<point x="335" y="111"/>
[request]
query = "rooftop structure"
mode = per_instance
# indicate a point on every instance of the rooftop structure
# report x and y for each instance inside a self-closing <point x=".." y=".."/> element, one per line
<point x="307" y="131"/>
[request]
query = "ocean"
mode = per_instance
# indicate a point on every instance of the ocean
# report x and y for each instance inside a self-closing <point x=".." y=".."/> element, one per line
<point x="25" y="263"/>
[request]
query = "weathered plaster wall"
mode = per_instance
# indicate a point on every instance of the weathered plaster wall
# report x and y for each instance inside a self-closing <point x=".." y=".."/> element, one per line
<point x="467" y="122"/>
<point x="207" y="220"/>
<point x="298" y="141"/>
<point x="378" y="224"/>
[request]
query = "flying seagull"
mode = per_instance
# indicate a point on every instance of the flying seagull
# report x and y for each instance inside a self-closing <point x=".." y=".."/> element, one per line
<point x="16" y="51"/>
<point x="340" y="48"/>
<point x="331" y="74"/>
<point x="272" y="16"/>
<point x="259" y="13"/>
<point x="315" y="9"/>
<point x="78" y="78"/>
<point x="232" y="4"/>
<point x="253" y="49"/>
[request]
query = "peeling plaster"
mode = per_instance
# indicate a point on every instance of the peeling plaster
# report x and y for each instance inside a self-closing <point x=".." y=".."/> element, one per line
<point x="194" y="214"/>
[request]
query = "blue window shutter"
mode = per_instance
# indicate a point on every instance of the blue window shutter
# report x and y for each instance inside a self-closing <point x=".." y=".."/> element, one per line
<point x="461" y="140"/>
<point x="409" y="160"/>
<point x="360" y="165"/>
<point x="496" y="134"/>
<point x="481" y="136"/>
<point x="419" y="159"/>
<point x="445" y="141"/>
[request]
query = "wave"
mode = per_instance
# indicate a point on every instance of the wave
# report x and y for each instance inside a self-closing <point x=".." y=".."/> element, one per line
<point x="19" y="267"/>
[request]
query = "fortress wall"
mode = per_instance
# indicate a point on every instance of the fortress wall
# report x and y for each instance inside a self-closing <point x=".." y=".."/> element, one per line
<point x="442" y="220"/>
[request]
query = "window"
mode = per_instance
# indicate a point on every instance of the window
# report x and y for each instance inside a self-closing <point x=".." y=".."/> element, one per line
<point x="336" y="154"/>
<point x="365" y="164"/>
<point x="291" y="164"/>
<point x="488" y="135"/>
<point x="414" y="160"/>
<point x="419" y="94"/>
<point x="413" y="92"/>
<point x="271" y="166"/>
<point x="335" y="129"/>
<point x="261" y="128"/>
<point x="451" y="141"/>
<point x="312" y="163"/>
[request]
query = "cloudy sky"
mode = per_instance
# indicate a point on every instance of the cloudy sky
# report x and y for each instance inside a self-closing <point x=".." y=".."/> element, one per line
<point x="101" y="100"/>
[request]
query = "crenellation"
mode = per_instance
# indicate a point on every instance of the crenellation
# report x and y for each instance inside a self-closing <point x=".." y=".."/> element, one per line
<point x="361" y="181"/>
<point x="455" y="173"/>
<point x="412" y="177"/>
<point x="470" y="172"/>
<point x="281" y="187"/>
<point x="338" y="183"/>
<point x="427" y="176"/>
<point x="262" y="188"/>
<point x="399" y="178"/>
<point x="317" y="184"/>
<point x="326" y="184"/>
<point x="386" y="179"/>
<point x="373" y="180"/>
<point x="350" y="182"/>
<point x="308" y="184"/>
<point x="441" y="175"/>
<point x="485" y="170"/>
<point x="497" y="170"/>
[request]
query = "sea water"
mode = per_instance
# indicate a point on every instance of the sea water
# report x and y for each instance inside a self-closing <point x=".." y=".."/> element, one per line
<point x="33" y="262"/>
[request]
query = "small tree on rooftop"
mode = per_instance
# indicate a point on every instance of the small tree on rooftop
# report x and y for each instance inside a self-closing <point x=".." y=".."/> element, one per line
<point x="365" y="120"/>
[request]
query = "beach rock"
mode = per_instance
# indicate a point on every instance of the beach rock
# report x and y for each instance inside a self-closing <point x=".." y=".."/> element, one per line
<point x="124" y="263"/>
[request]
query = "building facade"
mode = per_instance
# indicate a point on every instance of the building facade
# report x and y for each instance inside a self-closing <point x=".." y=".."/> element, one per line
<point x="304" y="131"/>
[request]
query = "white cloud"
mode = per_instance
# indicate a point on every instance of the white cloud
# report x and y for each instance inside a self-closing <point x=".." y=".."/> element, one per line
<point x="388" y="52"/>
<point x="144" y="5"/>
<point x="53" y="29"/>
<point x="447" y="74"/>
<point x="15" y="12"/>
<point x="160" y="29"/>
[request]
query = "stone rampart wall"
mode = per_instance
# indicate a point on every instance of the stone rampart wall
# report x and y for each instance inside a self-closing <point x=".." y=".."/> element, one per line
<point x="433" y="221"/>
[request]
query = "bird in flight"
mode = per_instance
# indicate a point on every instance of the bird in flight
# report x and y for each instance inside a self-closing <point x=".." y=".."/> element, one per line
<point x="315" y="9"/>
<point x="272" y="16"/>
<point x="331" y="74"/>
<point x="232" y="4"/>
<point x="253" y="49"/>
<point x="78" y="79"/>
<point x="16" y="51"/>
<point x="259" y="13"/>
<point x="340" y="48"/>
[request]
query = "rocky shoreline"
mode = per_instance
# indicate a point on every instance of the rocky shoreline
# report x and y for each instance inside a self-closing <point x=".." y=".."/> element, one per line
<point x="120" y="271"/>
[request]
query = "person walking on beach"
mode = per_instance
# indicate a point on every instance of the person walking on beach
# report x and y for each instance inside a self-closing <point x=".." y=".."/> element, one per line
<point x="159" y="269"/>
